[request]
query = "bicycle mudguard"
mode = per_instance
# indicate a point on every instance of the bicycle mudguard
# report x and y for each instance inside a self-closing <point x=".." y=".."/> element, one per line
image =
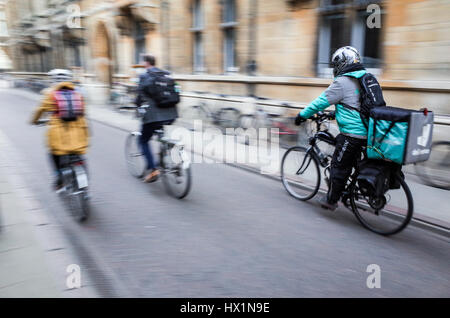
<point x="81" y="177"/>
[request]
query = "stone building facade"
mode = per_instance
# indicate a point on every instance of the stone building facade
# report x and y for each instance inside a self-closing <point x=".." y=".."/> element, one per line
<point x="5" y="60"/>
<point x="278" y="49"/>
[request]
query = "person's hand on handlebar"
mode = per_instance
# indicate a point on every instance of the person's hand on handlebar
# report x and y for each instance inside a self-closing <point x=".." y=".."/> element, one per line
<point x="299" y="119"/>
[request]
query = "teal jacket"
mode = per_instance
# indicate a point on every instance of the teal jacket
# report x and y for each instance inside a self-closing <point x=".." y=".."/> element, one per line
<point x="344" y="90"/>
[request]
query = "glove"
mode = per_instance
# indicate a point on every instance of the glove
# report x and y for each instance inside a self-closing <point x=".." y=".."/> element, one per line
<point x="299" y="119"/>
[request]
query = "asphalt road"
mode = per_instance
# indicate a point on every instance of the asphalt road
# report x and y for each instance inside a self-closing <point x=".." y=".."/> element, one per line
<point x="237" y="234"/>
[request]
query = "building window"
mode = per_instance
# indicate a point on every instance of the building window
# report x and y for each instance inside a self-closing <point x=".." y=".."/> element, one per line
<point x="139" y="42"/>
<point x="197" y="34"/>
<point x="3" y="26"/>
<point x="344" y="22"/>
<point x="229" y="24"/>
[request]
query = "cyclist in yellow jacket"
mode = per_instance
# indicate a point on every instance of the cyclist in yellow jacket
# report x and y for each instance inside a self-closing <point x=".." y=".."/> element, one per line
<point x="68" y="129"/>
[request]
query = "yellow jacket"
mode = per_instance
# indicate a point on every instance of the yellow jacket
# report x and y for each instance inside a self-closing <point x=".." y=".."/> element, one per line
<point x="63" y="137"/>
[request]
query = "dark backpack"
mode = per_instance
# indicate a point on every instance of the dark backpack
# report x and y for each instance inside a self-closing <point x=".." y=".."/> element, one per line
<point x="69" y="104"/>
<point x="163" y="90"/>
<point x="371" y="94"/>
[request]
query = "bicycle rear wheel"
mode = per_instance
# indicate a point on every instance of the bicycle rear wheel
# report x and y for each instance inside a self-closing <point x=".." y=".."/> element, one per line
<point x="77" y="200"/>
<point x="195" y="113"/>
<point x="435" y="171"/>
<point x="133" y="155"/>
<point x="176" y="172"/>
<point x="387" y="215"/>
<point x="300" y="173"/>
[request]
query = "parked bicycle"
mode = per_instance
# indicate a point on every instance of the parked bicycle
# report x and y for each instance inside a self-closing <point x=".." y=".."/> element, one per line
<point x="223" y="117"/>
<point x="122" y="96"/>
<point x="174" y="162"/>
<point x="436" y="171"/>
<point x="301" y="171"/>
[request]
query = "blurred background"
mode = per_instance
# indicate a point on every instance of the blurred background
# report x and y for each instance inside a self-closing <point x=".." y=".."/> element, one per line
<point x="278" y="49"/>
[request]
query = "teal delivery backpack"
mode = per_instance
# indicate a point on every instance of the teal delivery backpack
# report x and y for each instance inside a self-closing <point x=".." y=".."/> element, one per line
<point x="399" y="135"/>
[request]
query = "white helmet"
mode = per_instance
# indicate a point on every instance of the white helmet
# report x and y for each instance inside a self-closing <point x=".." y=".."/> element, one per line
<point x="60" y="75"/>
<point x="343" y="57"/>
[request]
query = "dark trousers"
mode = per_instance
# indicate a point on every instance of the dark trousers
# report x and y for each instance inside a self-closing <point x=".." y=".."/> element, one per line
<point x="57" y="164"/>
<point x="147" y="131"/>
<point x="345" y="157"/>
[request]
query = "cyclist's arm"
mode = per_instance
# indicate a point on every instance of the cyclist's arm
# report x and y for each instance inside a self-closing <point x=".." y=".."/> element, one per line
<point x="332" y="95"/>
<point x="47" y="105"/>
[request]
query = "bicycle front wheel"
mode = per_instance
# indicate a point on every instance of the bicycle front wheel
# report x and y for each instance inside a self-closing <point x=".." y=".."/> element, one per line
<point x="385" y="215"/>
<point x="435" y="171"/>
<point x="133" y="155"/>
<point x="300" y="173"/>
<point x="176" y="174"/>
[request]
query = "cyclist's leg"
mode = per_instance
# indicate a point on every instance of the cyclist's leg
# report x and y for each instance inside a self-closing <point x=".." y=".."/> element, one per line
<point x="344" y="159"/>
<point x="56" y="160"/>
<point x="146" y="134"/>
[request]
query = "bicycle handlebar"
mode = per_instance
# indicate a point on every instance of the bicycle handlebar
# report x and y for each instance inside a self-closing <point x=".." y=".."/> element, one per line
<point x="321" y="116"/>
<point x="42" y="122"/>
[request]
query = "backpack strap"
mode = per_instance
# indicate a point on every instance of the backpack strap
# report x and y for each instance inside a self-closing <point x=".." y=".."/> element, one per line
<point x="375" y="148"/>
<point x="358" y="110"/>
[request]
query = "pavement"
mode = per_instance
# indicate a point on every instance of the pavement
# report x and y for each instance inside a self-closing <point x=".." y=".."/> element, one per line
<point x="236" y="234"/>
<point x="34" y="254"/>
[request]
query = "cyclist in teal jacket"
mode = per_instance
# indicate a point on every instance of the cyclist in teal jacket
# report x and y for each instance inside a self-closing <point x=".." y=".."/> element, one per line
<point x="344" y="93"/>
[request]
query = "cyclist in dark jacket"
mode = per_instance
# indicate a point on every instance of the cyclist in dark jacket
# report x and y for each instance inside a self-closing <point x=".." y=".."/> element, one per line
<point x="344" y="92"/>
<point x="154" y="118"/>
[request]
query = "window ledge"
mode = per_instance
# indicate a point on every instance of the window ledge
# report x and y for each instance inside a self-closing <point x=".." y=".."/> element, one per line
<point x="196" y="29"/>
<point x="226" y="25"/>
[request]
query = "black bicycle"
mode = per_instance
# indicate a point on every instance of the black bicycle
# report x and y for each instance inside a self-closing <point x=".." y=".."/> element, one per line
<point x="301" y="170"/>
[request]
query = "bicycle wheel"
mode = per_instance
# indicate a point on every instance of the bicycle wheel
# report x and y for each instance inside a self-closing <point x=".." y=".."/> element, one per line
<point x="387" y="215"/>
<point x="228" y="118"/>
<point x="195" y="113"/>
<point x="300" y="173"/>
<point x="435" y="171"/>
<point x="133" y="155"/>
<point x="247" y="121"/>
<point x="283" y="128"/>
<point x="176" y="172"/>
<point x="77" y="200"/>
